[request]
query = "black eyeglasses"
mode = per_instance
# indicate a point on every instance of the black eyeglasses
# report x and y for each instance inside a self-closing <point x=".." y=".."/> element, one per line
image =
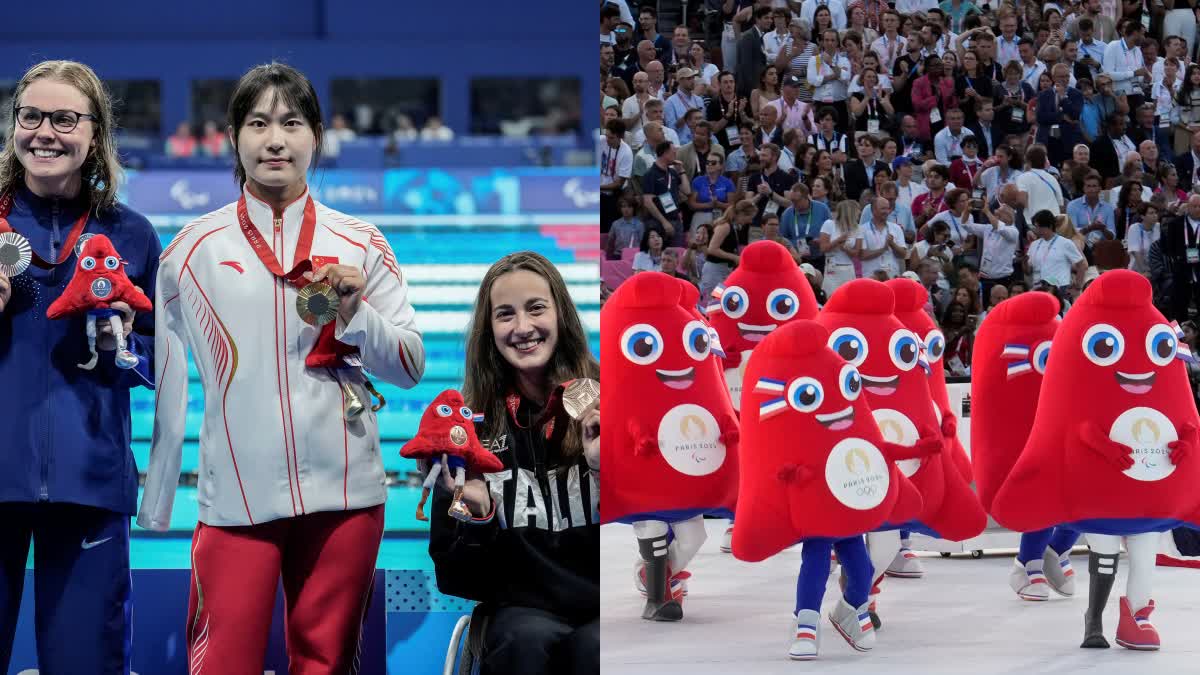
<point x="63" y="121"/>
<point x="712" y="163"/>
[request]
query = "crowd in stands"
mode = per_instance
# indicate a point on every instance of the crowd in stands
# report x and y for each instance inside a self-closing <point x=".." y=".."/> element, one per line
<point x="984" y="149"/>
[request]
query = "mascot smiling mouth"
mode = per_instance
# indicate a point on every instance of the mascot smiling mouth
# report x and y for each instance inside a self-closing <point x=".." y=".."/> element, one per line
<point x="880" y="386"/>
<point x="677" y="379"/>
<point x="1139" y="383"/>
<point x="839" y="420"/>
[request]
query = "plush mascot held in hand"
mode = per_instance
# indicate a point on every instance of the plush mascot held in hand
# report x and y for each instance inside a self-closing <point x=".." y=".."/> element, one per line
<point x="1112" y="451"/>
<point x="672" y="446"/>
<point x="815" y="469"/>
<point x="100" y="281"/>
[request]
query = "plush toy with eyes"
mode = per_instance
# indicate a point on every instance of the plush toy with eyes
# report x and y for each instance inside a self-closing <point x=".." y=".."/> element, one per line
<point x="1112" y="451"/>
<point x="766" y="291"/>
<point x="815" y="469"/>
<point x="447" y="438"/>
<point x="866" y="333"/>
<point x="670" y="432"/>
<point x="99" y="281"/>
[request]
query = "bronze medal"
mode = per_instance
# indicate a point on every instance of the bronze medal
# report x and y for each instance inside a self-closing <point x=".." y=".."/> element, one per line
<point x="317" y="303"/>
<point x="581" y="397"/>
<point x="15" y="254"/>
<point x="458" y="435"/>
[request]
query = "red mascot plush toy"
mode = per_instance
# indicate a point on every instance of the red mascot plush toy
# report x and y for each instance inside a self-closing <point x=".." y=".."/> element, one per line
<point x="815" y="468"/>
<point x="1012" y="348"/>
<point x="99" y="281"/>
<point x="447" y="438"/>
<point x="672" y="447"/>
<point x="866" y="333"/>
<point x="1112" y="451"/>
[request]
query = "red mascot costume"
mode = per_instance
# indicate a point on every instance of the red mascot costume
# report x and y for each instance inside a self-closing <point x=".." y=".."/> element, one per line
<point x="1112" y="447"/>
<point x="866" y="333"/>
<point x="673" y="445"/>
<point x="815" y="468"/>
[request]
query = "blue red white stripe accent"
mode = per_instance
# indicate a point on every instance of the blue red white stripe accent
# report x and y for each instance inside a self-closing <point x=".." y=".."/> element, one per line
<point x="712" y="307"/>
<point x="1019" y="368"/>
<point x="1015" y="352"/>
<point x="1141" y="620"/>
<point x="1066" y="568"/>
<point x="767" y="385"/>
<point x="771" y="408"/>
<point x="1036" y="577"/>
<point x="1182" y="350"/>
<point x="718" y="291"/>
<point x="864" y="622"/>
<point x="714" y="342"/>
<point x="477" y="418"/>
<point x="806" y="632"/>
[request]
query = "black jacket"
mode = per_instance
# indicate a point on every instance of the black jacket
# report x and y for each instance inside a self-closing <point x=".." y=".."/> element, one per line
<point x="856" y="177"/>
<point x="545" y="552"/>
<point x="751" y="61"/>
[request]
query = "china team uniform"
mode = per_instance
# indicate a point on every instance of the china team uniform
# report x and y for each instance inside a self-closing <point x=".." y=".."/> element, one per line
<point x="287" y="484"/>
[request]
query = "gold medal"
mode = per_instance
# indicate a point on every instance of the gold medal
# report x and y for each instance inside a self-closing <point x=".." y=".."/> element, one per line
<point x="15" y="254"/>
<point x="317" y="303"/>
<point x="581" y="397"/>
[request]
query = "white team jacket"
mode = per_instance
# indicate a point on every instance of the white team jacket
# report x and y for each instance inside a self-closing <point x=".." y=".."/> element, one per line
<point x="274" y="442"/>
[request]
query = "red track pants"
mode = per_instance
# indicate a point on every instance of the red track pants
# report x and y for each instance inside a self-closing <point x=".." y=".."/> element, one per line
<point x="328" y="565"/>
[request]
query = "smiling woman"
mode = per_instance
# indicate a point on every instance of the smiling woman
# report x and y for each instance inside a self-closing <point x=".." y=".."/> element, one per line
<point x="531" y="559"/>
<point x="67" y="476"/>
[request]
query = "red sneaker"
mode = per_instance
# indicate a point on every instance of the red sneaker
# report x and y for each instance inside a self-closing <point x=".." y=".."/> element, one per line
<point x="1135" y="630"/>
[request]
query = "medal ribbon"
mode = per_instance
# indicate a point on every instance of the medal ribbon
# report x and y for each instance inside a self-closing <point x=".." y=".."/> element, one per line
<point x="6" y="204"/>
<point x="303" y="246"/>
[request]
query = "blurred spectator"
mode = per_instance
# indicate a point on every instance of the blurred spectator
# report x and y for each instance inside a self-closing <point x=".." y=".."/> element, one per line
<point x="405" y="131"/>
<point x="214" y="143"/>
<point x="626" y="231"/>
<point x="771" y="233"/>
<point x="182" y="143"/>
<point x="435" y="131"/>
<point x="663" y="188"/>
<point x="959" y="328"/>
<point x="693" y="259"/>
<point x="841" y="243"/>
<point x="616" y="167"/>
<point x="669" y="265"/>
<point x="712" y="191"/>
<point x="649" y="257"/>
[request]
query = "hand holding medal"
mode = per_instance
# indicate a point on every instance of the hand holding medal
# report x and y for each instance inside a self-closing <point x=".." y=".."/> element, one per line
<point x="333" y="290"/>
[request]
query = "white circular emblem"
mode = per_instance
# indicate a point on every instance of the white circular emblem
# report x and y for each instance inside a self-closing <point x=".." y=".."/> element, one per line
<point x="83" y="239"/>
<point x="101" y="287"/>
<point x="857" y="474"/>
<point x="1147" y="432"/>
<point x="897" y="428"/>
<point x="688" y="439"/>
<point x="733" y="380"/>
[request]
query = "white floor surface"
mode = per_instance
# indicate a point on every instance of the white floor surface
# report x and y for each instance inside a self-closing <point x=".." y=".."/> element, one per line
<point x="961" y="618"/>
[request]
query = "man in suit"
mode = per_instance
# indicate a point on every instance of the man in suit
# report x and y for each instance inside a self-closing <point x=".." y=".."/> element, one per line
<point x="1181" y="246"/>
<point x="860" y="173"/>
<point x="1058" y="110"/>
<point x="1188" y="164"/>
<point x="751" y="59"/>
<point x="1109" y="150"/>
<point x="694" y="155"/>
<point x="987" y="136"/>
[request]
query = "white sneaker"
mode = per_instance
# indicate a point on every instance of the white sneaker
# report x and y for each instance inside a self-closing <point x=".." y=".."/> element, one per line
<point x="806" y="637"/>
<point x="727" y="541"/>
<point x="906" y="565"/>
<point x="1059" y="573"/>
<point x="854" y="624"/>
<point x="1029" y="581"/>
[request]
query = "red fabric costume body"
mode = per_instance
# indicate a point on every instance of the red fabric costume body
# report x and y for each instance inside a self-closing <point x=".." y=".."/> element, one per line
<point x="1011" y="352"/>
<point x="671" y="435"/>
<point x="911" y="298"/>
<point x="865" y="332"/>
<point x="1112" y="446"/>
<point x="766" y="291"/>
<point x="813" y="461"/>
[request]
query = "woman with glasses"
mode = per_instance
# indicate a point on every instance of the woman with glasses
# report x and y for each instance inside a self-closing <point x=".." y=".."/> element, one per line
<point x="67" y="477"/>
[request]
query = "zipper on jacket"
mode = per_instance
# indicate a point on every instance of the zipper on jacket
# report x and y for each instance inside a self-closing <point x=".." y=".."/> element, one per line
<point x="44" y="494"/>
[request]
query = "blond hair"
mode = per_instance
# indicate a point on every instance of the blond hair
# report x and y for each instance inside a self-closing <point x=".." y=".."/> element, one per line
<point x="101" y="171"/>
